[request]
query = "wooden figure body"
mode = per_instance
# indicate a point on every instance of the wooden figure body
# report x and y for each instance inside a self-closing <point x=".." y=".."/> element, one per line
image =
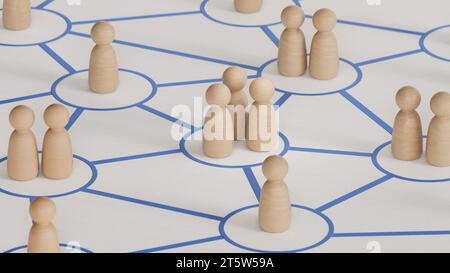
<point x="438" y="139"/>
<point x="407" y="140"/>
<point x="235" y="79"/>
<point x="218" y="130"/>
<point x="57" y="156"/>
<point x="23" y="159"/>
<point x="324" y="58"/>
<point x="16" y="14"/>
<point x="103" y="67"/>
<point x="43" y="237"/>
<point x="292" y="59"/>
<point x="262" y="127"/>
<point x="275" y="205"/>
<point x="248" y="6"/>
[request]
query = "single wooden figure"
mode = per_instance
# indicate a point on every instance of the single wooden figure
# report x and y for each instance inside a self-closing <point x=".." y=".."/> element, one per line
<point x="438" y="139"/>
<point x="262" y="126"/>
<point x="292" y="60"/>
<point x="16" y="14"/>
<point x="57" y="156"/>
<point x="218" y="130"/>
<point x="235" y="78"/>
<point x="407" y="140"/>
<point x="324" y="58"/>
<point x="43" y="237"/>
<point x="275" y="203"/>
<point x="103" y="67"/>
<point x="23" y="159"/>
<point x="248" y="6"/>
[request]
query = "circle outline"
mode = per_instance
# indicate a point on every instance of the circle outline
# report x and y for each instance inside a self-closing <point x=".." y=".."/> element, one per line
<point x="208" y="16"/>
<point x="68" y="29"/>
<point x="318" y="213"/>
<point x="55" y="85"/>
<point x="378" y="165"/>
<point x="352" y="85"/>
<point x="425" y="49"/>
<point x="183" y="149"/>
<point x="94" y="174"/>
<point x="15" y="249"/>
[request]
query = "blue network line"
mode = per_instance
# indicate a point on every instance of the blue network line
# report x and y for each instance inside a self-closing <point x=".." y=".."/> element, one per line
<point x="247" y="170"/>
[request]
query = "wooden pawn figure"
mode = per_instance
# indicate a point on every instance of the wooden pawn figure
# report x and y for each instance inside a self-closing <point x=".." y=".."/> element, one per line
<point x="16" y="14"/>
<point x="218" y="130"/>
<point x="324" y="58"/>
<point x="43" y="237"/>
<point x="407" y="140"/>
<point x="292" y="60"/>
<point x="275" y="203"/>
<point x="103" y="67"/>
<point x="23" y="159"/>
<point x="438" y="139"/>
<point x="262" y="127"/>
<point x="248" y="6"/>
<point x="57" y="156"/>
<point x="235" y="78"/>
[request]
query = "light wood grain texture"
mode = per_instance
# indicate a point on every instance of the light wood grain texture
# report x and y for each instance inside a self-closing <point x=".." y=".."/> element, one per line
<point x="235" y="78"/>
<point x="43" y="237"/>
<point x="292" y="59"/>
<point x="23" y="160"/>
<point x="248" y="6"/>
<point x="262" y="126"/>
<point x="275" y="204"/>
<point x="438" y="139"/>
<point x="324" y="58"/>
<point x="103" y="66"/>
<point x="407" y="140"/>
<point x="17" y="14"/>
<point x="57" y="156"/>
<point x="218" y="130"/>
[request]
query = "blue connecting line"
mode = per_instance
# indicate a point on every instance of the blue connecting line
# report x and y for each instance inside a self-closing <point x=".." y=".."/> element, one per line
<point x="74" y="118"/>
<point x="355" y="193"/>
<point x="282" y="100"/>
<point x="166" y="117"/>
<point x="395" y="233"/>
<point x="39" y="95"/>
<point x="178" y="245"/>
<point x="395" y="56"/>
<point x="134" y="157"/>
<point x="297" y="2"/>
<point x="333" y="152"/>
<point x="271" y="35"/>
<point x="173" y="52"/>
<point x="152" y="204"/>
<point x="366" y="111"/>
<point x="137" y="17"/>
<point x="253" y="182"/>
<point x="57" y="58"/>
<point x="188" y="82"/>
<point x="44" y="4"/>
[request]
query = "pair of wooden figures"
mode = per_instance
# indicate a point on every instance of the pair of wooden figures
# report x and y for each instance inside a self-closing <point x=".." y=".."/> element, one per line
<point x="292" y="56"/>
<point x="229" y="119"/>
<point x="407" y="141"/>
<point x="57" y="157"/>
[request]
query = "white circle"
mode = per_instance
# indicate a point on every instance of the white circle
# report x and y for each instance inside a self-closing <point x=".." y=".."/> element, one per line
<point x="307" y="229"/>
<point x="224" y="12"/>
<point x="74" y="91"/>
<point x="413" y="170"/>
<point x="437" y="42"/>
<point x="42" y="186"/>
<point x="241" y="156"/>
<point x="45" y="27"/>
<point x="307" y="84"/>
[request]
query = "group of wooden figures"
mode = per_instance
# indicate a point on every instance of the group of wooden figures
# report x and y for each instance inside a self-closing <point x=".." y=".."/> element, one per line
<point x="407" y="141"/>
<point x="57" y="156"/>
<point x="230" y="119"/>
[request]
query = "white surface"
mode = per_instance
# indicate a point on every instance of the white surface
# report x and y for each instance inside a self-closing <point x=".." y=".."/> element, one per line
<point x="171" y="203"/>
